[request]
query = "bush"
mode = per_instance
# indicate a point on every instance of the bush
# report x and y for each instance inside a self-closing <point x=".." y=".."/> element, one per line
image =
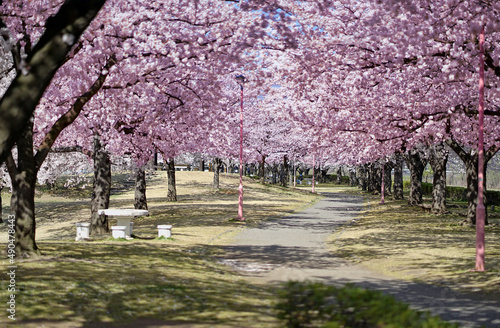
<point x="457" y="193"/>
<point x="312" y="304"/>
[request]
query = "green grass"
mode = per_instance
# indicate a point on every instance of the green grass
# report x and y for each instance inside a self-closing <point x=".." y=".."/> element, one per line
<point x="120" y="283"/>
<point x="117" y="282"/>
<point x="409" y="243"/>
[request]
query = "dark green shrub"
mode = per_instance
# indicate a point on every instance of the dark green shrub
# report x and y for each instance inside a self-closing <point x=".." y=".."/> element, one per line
<point x="312" y="304"/>
<point x="457" y="193"/>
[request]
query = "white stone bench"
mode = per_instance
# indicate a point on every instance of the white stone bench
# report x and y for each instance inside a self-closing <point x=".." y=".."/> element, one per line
<point x="123" y="217"/>
<point x="165" y="230"/>
<point x="82" y="231"/>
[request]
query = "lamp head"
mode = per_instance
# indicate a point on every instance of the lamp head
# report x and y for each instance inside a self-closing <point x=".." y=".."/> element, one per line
<point x="241" y="80"/>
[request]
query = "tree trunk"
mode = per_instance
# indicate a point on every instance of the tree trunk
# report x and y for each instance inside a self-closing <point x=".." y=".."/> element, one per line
<point x="387" y="178"/>
<point x="339" y="175"/>
<point x="416" y="163"/>
<point x="285" y="172"/>
<point x="374" y="178"/>
<point x="398" y="177"/>
<point x="470" y="159"/>
<point x="101" y="188"/>
<point x="321" y="177"/>
<point x="274" y="170"/>
<point x="140" y="202"/>
<point x="202" y="165"/>
<point x="353" y="180"/>
<point x="438" y="160"/>
<point x="22" y="202"/>
<point x="362" y="177"/>
<point x="1" y="209"/>
<point x="262" y="169"/>
<point x="217" y="167"/>
<point x="155" y="160"/>
<point x="172" y="191"/>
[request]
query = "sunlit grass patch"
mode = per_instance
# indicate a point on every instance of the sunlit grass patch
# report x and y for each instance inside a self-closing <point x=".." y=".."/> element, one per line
<point x="409" y="243"/>
<point x="109" y="281"/>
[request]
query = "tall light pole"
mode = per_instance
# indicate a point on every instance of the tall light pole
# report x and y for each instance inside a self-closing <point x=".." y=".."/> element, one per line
<point x="314" y="165"/>
<point x="241" y="80"/>
<point x="480" y="209"/>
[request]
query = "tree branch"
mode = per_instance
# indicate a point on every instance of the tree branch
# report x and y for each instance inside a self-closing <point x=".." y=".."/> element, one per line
<point x="71" y="114"/>
<point x="24" y="93"/>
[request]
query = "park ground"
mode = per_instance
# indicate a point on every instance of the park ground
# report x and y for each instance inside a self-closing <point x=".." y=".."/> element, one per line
<point x="179" y="282"/>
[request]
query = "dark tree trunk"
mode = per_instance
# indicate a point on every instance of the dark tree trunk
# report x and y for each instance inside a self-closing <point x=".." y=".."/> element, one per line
<point x="362" y="177"/>
<point x="438" y="160"/>
<point x="101" y="188"/>
<point x="398" y="177"/>
<point x="416" y="162"/>
<point x="22" y="202"/>
<point x="321" y="176"/>
<point x="285" y="172"/>
<point x="374" y="178"/>
<point x="217" y="167"/>
<point x="353" y="180"/>
<point x="155" y="161"/>
<point x="274" y="170"/>
<point x="172" y="190"/>
<point x="202" y="165"/>
<point x="470" y="159"/>
<point x="43" y="60"/>
<point x="387" y="178"/>
<point x="140" y="202"/>
<point x="339" y="175"/>
<point x="262" y="169"/>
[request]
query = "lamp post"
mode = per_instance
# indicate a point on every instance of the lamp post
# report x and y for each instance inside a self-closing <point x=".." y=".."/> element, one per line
<point x="241" y="80"/>
<point x="314" y="165"/>
<point x="382" y="188"/>
<point x="480" y="209"/>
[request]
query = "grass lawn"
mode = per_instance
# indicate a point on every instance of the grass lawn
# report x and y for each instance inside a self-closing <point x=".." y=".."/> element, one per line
<point x="408" y="243"/>
<point x="145" y="281"/>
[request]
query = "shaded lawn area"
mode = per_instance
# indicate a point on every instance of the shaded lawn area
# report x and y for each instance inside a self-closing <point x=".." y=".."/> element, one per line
<point x="407" y="242"/>
<point x="176" y="282"/>
<point x="118" y="282"/>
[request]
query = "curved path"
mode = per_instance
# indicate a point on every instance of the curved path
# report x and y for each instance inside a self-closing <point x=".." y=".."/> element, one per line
<point x="294" y="248"/>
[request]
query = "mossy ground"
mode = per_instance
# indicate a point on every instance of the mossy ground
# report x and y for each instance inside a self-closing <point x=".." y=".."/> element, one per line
<point x="173" y="282"/>
<point x="409" y="243"/>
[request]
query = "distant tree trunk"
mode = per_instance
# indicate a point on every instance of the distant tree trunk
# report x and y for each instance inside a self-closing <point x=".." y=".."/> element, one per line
<point x="353" y="180"/>
<point x="416" y="163"/>
<point x="202" y="165"/>
<point x="398" y="177"/>
<point x="285" y="172"/>
<point x="438" y="160"/>
<point x="140" y="202"/>
<point x="22" y="202"/>
<point x="274" y="170"/>
<point x="470" y="160"/>
<point x="339" y="175"/>
<point x="362" y="177"/>
<point x="374" y="178"/>
<point x="101" y="188"/>
<point x="387" y="178"/>
<point x="155" y="160"/>
<point x="1" y="210"/>
<point x="322" y="173"/>
<point x="217" y="167"/>
<point x="172" y="190"/>
<point x="262" y="169"/>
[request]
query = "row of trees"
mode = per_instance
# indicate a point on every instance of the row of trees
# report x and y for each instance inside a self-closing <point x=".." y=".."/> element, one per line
<point x="349" y="83"/>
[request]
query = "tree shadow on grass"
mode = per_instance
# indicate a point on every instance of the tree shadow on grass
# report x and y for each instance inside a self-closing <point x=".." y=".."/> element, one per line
<point x="120" y="284"/>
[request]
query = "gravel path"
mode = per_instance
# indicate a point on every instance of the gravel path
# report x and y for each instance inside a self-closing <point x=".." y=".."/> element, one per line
<point x="294" y="248"/>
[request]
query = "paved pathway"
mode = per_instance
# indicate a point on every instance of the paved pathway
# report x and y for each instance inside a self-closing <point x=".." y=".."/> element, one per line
<point x="294" y="248"/>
